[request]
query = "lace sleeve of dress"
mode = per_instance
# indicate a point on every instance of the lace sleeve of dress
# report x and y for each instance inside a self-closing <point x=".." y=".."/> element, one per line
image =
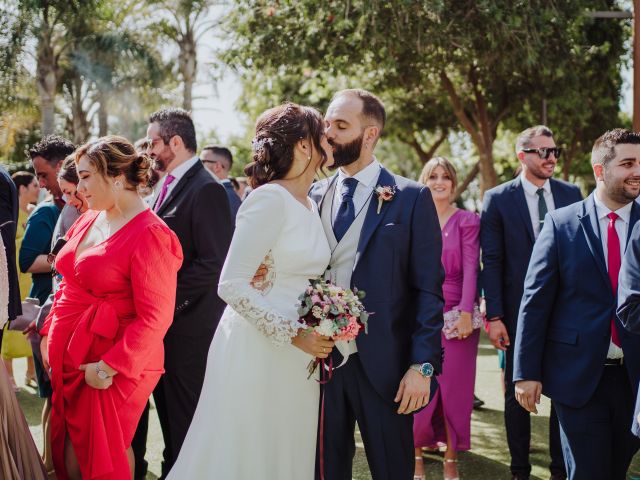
<point x="259" y="226"/>
<point x="248" y="302"/>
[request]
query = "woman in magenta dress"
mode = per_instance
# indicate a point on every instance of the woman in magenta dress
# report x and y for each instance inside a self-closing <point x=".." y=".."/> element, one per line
<point x="447" y="418"/>
<point x="104" y="337"/>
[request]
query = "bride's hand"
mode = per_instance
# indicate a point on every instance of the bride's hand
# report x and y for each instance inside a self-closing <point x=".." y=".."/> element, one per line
<point x="316" y="345"/>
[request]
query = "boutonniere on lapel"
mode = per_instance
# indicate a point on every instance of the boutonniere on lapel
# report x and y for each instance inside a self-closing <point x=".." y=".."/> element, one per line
<point x="385" y="194"/>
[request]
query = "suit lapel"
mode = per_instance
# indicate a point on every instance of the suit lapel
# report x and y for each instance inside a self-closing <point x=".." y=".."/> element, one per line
<point x="373" y="218"/>
<point x="180" y="186"/>
<point x="589" y="221"/>
<point x="325" y="217"/>
<point x="558" y="194"/>
<point x="330" y="183"/>
<point x="634" y="217"/>
<point x="521" y="204"/>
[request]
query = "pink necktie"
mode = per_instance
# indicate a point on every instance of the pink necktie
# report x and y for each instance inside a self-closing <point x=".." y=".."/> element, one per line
<point x="163" y="193"/>
<point x="614" y="260"/>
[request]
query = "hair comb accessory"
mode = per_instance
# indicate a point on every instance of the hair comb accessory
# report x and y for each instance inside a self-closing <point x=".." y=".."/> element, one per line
<point x="259" y="144"/>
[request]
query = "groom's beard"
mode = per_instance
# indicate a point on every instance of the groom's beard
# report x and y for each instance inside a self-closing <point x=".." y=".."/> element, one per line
<point x="346" y="154"/>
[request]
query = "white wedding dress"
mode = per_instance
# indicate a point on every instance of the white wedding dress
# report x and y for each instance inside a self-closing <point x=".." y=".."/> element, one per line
<point x="257" y="416"/>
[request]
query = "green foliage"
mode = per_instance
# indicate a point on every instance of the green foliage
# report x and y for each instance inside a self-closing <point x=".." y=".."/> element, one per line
<point x="439" y="65"/>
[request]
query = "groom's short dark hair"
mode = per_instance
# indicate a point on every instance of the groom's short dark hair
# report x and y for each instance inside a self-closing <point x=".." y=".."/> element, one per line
<point x="372" y="106"/>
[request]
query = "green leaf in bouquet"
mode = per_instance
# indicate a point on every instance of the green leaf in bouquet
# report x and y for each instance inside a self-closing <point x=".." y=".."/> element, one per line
<point x="334" y="310"/>
<point x="303" y="310"/>
<point x="342" y="321"/>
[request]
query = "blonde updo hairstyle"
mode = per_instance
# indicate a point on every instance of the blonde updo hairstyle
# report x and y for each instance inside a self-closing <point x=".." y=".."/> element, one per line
<point x="113" y="156"/>
<point x="448" y="167"/>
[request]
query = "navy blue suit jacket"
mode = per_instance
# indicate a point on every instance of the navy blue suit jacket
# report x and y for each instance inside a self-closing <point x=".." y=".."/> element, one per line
<point x="234" y="199"/>
<point x="564" y="324"/>
<point x="629" y="296"/>
<point x="399" y="267"/>
<point x="506" y="239"/>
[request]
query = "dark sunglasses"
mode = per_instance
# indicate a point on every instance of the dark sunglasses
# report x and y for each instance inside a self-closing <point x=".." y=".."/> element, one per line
<point x="544" y="152"/>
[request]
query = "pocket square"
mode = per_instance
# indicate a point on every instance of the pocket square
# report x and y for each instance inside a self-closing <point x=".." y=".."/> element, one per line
<point x="392" y="224"/>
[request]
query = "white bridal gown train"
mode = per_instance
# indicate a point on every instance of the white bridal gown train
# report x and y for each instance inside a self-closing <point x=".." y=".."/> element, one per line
<point x="257" y="414"/>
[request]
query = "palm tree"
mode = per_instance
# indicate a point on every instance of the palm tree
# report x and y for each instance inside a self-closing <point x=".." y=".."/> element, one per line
<point x="185" y="23"/>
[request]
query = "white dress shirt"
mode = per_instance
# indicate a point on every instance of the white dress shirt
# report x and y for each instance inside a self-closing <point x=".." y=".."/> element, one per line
<point x="177" y="173"/>
<point x="532" y="201"/>
<point x="622" y="227"/>
<point x="367" y="179"/>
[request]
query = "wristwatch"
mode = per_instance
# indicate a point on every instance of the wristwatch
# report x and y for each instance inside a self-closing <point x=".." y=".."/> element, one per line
<point x="102" y="374"/>
<point x="424" y="369"/>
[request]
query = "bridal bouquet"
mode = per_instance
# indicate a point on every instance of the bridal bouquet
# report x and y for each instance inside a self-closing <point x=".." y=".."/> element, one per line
<point x="332" y="311"/>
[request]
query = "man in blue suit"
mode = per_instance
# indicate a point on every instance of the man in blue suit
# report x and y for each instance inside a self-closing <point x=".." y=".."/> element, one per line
<point x="570" y="345"/>
<point x="390" y="248"/>
<point x="629" y="300"/>
<point x="512" y="215"/>
<point x="218" y="160"/>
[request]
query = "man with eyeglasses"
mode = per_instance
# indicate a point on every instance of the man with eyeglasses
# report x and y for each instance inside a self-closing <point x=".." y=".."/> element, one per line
<point x="512" y="217"/>
<point x="218" y="160"/>
<point x="196" y="208"/>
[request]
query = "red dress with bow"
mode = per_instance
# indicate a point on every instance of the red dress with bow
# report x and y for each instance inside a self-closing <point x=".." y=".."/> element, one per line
<point x="115" y="304"/>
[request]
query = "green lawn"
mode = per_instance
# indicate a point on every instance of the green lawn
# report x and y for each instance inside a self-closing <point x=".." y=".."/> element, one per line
<point x="488" y="459"/>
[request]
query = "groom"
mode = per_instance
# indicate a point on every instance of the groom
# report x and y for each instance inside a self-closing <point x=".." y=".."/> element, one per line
<point x="390" y="249"/>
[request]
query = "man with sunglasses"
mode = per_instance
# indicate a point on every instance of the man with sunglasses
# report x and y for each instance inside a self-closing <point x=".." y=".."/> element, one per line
<point x="512" y="217"/>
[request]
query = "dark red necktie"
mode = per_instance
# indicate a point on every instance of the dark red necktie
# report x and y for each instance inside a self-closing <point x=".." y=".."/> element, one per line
<point x="614" y="261"/>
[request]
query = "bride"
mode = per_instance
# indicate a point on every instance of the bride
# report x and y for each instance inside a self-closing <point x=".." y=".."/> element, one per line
<point x="257" y="414"/>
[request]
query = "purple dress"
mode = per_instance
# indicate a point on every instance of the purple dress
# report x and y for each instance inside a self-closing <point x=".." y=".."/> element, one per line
<point x="453" y="400"/>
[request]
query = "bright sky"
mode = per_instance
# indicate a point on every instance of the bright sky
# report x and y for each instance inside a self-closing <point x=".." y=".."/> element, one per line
<point x="214" y="105"/>
<point x="215" y="111"/>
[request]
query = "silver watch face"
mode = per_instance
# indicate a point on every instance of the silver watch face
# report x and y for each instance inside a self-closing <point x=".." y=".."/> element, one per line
<point x="426" y="369"/>
<point x="102" y="375"/>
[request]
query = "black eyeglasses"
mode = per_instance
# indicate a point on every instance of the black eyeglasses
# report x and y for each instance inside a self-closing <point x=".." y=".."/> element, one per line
<point x="544" y="152"/>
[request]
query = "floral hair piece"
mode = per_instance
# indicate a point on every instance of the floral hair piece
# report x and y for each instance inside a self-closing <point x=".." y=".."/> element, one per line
<point x="259" y="144"/>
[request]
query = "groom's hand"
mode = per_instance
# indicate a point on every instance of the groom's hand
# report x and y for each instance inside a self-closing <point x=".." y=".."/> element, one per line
<point x="413" y="392"/>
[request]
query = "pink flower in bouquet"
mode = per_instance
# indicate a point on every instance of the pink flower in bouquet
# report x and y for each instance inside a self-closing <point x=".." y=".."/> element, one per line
<point x="350" y="332"/>
<point x="332" y="311"/>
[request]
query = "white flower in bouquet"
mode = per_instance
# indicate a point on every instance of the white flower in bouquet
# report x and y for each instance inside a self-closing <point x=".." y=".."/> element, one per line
<point x="325" y="328"/>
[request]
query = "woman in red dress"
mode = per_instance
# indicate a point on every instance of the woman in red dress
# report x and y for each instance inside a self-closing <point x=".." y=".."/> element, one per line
<point x="104" y="337"/>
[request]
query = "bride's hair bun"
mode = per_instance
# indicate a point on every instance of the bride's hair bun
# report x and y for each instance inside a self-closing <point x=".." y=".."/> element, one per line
<point x="278" y="130"/>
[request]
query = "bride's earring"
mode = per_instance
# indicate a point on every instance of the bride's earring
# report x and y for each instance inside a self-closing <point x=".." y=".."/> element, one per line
<point x="118" y="184"/>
